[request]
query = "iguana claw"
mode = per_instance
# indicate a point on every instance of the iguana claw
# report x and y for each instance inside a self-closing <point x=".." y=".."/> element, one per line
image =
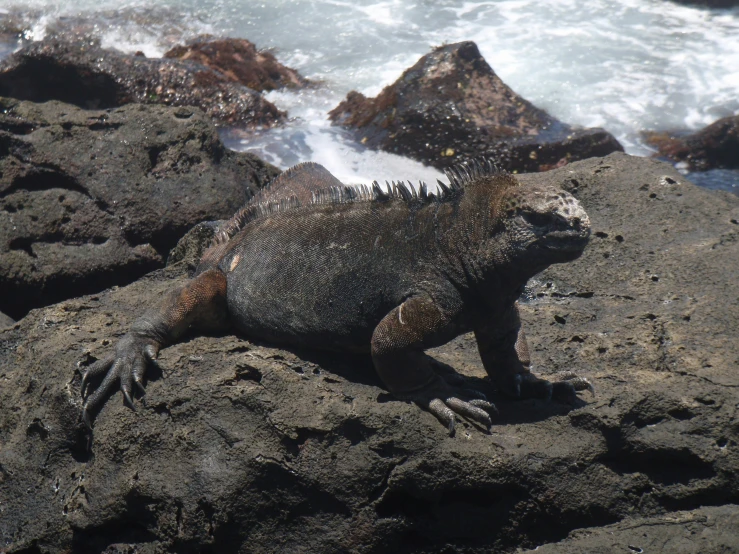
<point x="127" y="366"/>
<point x="444" y="403"/>
<point x="579" y="383"/>
<point x="528" y="385"/>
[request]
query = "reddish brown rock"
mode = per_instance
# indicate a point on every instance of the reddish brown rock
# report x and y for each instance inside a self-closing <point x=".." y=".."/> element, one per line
<point x="86" y="75"/>
<point x="240" y="61"/>
<point x="715" y="147"/>
<point x="452" y="105"/>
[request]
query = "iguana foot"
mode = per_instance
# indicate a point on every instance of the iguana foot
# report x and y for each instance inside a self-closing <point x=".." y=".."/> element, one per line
<point x="565" y="390"/>
<point x="446" y="402"/>
<point x="127" y="366"/>
<point x="580" y="383"/>
<point x="528" y="385"/>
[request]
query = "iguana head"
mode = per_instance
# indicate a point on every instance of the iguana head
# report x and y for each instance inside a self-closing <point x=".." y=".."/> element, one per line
<point x="543" y="225"/>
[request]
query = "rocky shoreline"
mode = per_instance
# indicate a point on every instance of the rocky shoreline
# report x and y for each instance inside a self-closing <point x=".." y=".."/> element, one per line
<point x="451" y="106"/>
<point x="243" y="446"/>
<point x="714" y="147"/>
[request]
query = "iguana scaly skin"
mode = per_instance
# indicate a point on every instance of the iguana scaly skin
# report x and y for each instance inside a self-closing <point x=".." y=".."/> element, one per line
<point x="387" y="271"/>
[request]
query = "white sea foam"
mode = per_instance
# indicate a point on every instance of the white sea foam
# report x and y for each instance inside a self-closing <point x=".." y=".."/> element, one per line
<point x="309" y="136"/>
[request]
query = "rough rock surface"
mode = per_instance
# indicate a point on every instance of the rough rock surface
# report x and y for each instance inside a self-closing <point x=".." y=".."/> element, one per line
<point x="451" y="105"/>
<point x="240" y="60"/>
<point x="704" y="530"/>
<point x="242" y="446"/>
<point x="84" y="74"/>
<point x="714" y="147"/>
<point x="94" y="198"/>
<point x="5" y="320"/>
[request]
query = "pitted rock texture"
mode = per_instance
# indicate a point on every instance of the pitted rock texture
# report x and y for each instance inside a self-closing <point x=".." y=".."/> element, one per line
<point x="245" y="447"/>
<point x="86" y="75"/>
<point x="714" y="147"/>
<point x="94" y="198"/>
<point x="451" y="106"/>
<point x="706" y="530"/>
<point x="239" y="60"/>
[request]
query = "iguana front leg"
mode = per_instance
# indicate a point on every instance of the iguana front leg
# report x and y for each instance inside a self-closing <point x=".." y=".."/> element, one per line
<point x="398" y="343"/>
<point x="200" y="300"/>
<point x="505" y="356"/>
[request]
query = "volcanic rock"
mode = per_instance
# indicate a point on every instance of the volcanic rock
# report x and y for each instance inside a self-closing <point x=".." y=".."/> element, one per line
<point x="240" y="60"/>
<point x="5" y="320"/>
<point x="718" y="4"/>
<point x="714" y="147"/>
<point x="706" y="529"/>
<point x="451" y="105"/>
<point x="240" y="446"/>
<point x="91" y="199"/>
<point x="86" y="75"/>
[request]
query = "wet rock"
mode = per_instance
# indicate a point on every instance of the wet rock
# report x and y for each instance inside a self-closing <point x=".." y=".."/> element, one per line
<point x="240" y="60"/>
<point x="86" y="75"/>
<point x="714" y="147"/>
<point x="91" y="199"/>
<point x="451" y="105"/>
<point x="720" y="4"/>
<point x="243" y="446"/>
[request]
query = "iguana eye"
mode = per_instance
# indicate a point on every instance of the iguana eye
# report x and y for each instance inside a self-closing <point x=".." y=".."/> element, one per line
<point x="537" y="219"/>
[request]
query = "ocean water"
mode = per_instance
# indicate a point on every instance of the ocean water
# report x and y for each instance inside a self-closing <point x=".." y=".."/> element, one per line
<point x="625" y="65"/>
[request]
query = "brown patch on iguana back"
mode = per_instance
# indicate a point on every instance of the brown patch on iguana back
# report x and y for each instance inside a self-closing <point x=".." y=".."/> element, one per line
<point x="293" y="187"/>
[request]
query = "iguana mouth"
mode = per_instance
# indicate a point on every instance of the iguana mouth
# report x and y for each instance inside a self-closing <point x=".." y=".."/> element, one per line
<point x="566" y="240"/>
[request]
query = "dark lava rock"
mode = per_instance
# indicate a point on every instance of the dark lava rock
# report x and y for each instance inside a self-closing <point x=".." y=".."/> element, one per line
<point x="451" y="106"/>
<point x="91" y="199"/>
<point x="715" y="147"/>
<point x="704" y="530"/>
<point x="86" y="75"/>
<point x="721" y="4"/>
<point x="240" y="60"/>
<point x="244" y="447"/>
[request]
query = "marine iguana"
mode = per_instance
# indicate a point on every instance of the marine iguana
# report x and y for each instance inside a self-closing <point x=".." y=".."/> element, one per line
<point x="390" y="271"/>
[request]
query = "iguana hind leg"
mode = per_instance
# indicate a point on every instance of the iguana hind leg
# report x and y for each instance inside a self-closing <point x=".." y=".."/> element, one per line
<point x="397" y="352"/>
<point x="200" y="300"/>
